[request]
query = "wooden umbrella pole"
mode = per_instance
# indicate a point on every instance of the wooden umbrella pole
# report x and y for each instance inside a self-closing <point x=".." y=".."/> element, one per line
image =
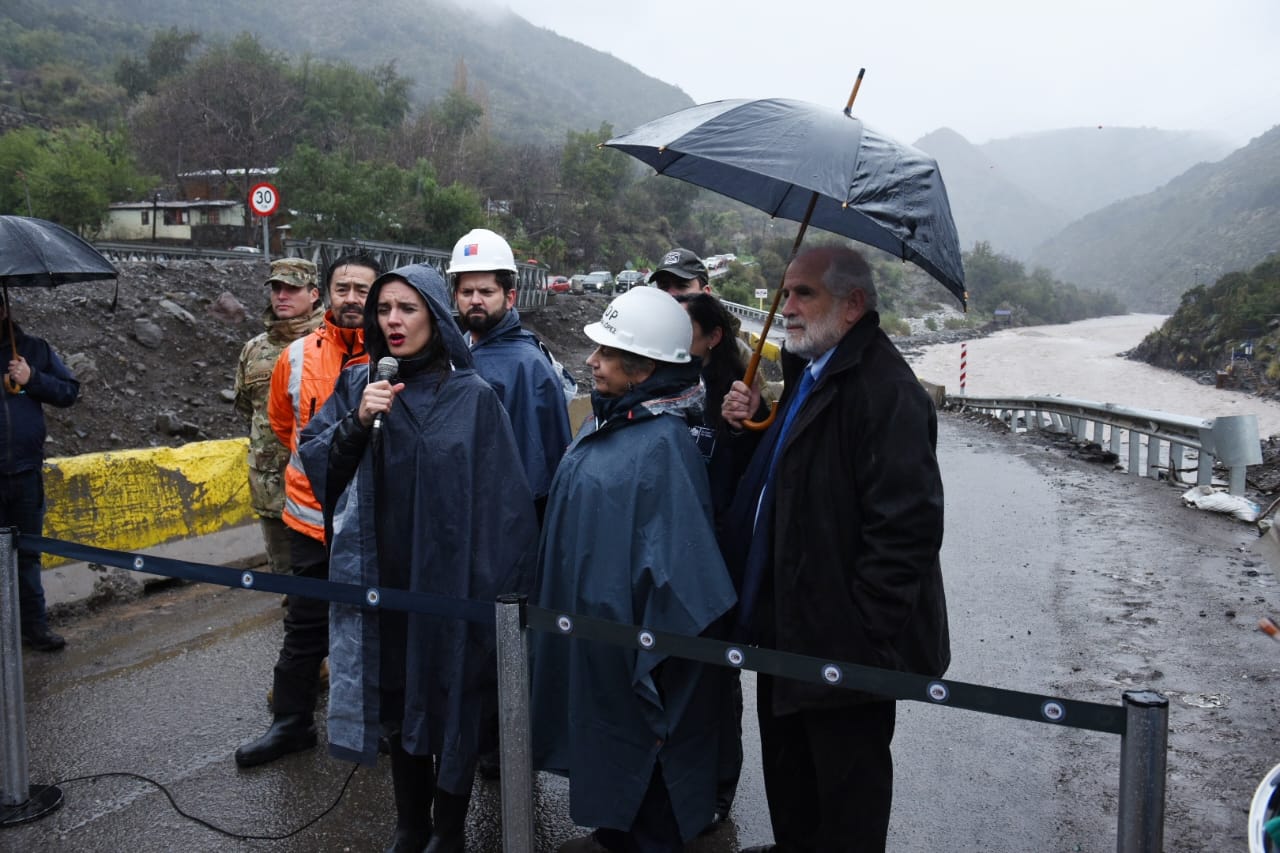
<point x="754" y="363"/>
<point x="9" y="385"/>
<point x="857" y="84"/>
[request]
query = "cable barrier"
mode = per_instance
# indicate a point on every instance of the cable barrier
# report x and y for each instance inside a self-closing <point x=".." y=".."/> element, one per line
<point x="1141" y="720"/>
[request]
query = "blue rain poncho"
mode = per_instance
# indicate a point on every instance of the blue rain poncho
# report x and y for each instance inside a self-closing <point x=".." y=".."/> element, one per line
<point x="436" y="505"/>
<point x="628" y="536"/>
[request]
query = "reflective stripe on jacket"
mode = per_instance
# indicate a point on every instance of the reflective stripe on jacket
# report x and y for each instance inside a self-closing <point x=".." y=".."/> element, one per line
<point x="303" y="379"/>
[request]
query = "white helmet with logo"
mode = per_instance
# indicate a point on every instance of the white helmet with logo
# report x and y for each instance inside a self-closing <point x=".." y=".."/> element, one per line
<point x="481" y="250"/>
<point x="645" y="321"/>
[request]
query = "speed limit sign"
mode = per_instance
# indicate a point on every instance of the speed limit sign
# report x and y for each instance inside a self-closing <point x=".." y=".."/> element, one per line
<point x="264" y="199"/>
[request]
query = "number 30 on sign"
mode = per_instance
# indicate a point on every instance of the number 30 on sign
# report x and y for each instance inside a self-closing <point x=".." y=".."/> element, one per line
<point x="264" y="199"/>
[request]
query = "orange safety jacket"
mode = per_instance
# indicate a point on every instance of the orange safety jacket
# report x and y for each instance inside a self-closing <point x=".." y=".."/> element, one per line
<point x="302" y="380"/>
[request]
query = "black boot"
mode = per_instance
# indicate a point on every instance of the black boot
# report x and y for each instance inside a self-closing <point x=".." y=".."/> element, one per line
<point x="288" y="733"/>
<point x="413" y="782"/>
<point x="451" y="822"/>
<point x="40" y="638"/>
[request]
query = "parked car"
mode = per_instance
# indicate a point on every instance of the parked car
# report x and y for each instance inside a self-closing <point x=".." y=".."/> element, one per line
<point x="577" y="284"/>
<point x="628" y="279"/>
<point x="599" y="281"/>
<point x="558" y="284"/>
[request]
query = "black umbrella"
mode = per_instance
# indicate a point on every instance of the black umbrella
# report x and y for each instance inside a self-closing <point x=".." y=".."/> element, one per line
<point x="38" y="252"/>
<point x="813" y="165"/>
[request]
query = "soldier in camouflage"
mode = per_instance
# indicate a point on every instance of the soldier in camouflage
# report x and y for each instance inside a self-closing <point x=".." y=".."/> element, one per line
<point x="296" y="308"/>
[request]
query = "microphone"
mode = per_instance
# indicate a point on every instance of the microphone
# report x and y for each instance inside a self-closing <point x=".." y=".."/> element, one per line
<point x="388" y="367"/>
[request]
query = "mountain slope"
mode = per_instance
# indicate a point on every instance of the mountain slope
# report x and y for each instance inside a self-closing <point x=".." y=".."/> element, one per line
<point x="1083" y="169"/>
<point x="535" y="84"/>
<point x="1213" y="219"/>
<point x="985" y="204"/>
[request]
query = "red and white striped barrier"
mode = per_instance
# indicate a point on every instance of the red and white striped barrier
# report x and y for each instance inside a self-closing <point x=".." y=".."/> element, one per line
<point x="964" y="365"/>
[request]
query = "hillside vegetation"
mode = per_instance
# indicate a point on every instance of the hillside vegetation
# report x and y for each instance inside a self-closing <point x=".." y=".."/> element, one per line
<point x="1216" y="323"/>
<point x="533" y="83"/>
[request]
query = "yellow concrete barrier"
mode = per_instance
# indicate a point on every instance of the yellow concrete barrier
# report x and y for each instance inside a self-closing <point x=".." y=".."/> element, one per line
<point x="771" y="351"/>
<point x="129" y="500"/>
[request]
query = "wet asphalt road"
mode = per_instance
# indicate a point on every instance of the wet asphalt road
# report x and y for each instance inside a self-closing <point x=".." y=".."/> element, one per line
<point x="1063" y="578"/>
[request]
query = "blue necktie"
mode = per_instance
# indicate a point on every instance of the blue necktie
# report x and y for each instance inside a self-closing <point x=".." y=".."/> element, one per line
<point x="758" y="558"/>
<point x="806" y="385"/>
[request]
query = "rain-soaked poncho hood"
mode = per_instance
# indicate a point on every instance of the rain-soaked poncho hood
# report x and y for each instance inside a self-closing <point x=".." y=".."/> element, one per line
<point x="427" y="280"/>
<point x="628" y="536"/>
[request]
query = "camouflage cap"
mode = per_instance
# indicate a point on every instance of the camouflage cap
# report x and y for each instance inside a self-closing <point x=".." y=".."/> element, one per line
<point x="295" y="271"/>
<point x="682" y="263"/>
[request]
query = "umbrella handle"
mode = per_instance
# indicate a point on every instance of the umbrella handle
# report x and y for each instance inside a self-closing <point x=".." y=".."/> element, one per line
<point x="750" y="376"/>
<point x="9" y="385"/>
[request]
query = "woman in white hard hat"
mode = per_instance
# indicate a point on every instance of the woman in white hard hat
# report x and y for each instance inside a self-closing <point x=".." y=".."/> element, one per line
<point x="628" y="535"/>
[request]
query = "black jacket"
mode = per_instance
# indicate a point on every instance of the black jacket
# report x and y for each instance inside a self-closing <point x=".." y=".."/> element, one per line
<point x="22" y="431"/>
<point x="857" y="522"/>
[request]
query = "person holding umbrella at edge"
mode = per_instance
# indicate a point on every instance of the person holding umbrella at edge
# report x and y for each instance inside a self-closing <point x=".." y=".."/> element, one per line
<point x="34" y="376"/>
<point x="34" y="253"/>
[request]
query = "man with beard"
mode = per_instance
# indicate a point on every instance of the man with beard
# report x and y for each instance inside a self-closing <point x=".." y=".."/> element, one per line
<point x="834" y="535"/>
<point x="303" y="378"/>
<point x="482" y="271"/>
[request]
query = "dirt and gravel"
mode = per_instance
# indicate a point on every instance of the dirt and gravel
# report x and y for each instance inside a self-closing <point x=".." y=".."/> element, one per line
<point x="159" y="368"/>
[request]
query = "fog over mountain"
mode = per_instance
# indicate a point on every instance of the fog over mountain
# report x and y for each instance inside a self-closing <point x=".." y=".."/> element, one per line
<point x="535" y="85"/>
<point x="1213" y="219"/>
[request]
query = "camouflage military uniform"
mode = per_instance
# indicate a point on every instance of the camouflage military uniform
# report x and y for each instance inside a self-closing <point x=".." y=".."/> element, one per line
<point x="267" y="456"/>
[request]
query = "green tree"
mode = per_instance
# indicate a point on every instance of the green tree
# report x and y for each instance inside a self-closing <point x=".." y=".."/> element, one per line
<point x="71" y="174"/>
<point x="168" y="54"/>
<point x="335" y="197"/>
<point x="345" y="108"/>
<point x="19" y="153"/>
<point x="592" y="175"/>
<point x="436" y="216"/>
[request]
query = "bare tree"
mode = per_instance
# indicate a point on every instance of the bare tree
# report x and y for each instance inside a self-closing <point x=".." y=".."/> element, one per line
<point x="233" y="110"/>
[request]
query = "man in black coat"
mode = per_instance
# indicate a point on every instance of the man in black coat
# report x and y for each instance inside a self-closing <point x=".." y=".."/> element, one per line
<point x="834" y="537"/>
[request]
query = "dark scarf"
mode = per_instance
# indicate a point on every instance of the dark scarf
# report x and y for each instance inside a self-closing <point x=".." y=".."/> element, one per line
<point x="668" y="380"/>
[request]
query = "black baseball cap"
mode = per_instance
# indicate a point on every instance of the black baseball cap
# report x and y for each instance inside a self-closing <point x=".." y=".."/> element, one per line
<point x="682" y="263"/>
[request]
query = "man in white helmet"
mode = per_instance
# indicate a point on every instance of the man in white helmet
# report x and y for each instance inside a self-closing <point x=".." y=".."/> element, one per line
<point x="483" y="274"/>
<point x="482" y="271"/>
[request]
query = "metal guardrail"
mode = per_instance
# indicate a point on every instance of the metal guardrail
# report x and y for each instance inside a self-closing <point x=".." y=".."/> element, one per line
<point x="531" y="280"/>
<point x="123" y="251"/>
<point x="746" y="312"/>
<point x="1151" y="442"/>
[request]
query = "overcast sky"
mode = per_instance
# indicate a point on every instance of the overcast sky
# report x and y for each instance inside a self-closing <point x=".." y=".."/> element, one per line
<point x="985" y="68"/>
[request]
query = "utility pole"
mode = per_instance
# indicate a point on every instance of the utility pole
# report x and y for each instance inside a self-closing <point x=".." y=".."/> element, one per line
<point x="155" y="206"/>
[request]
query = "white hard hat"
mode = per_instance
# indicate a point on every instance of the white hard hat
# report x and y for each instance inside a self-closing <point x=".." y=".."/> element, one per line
<point x="481" y="250"/>
<point x="645" y="321"/>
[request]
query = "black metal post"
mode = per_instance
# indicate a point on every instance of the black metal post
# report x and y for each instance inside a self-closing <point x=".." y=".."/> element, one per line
<point x="20" y="801"/>
<point x="1143" y="758"/>
<point x="514" y="737"/>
